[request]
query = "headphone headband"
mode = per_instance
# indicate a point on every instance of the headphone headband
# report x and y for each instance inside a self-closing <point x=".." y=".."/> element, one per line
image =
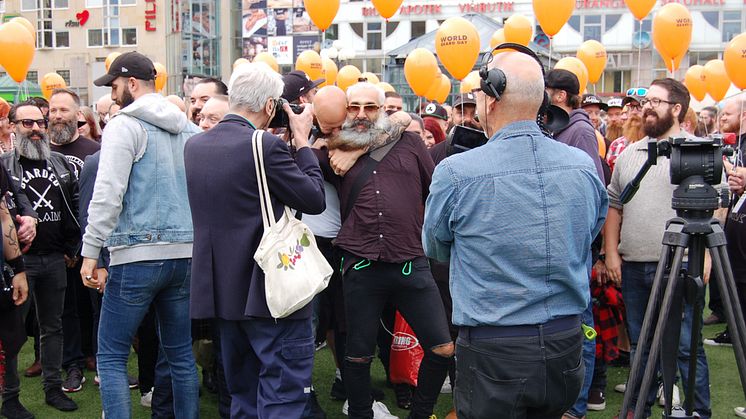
<point x="517" y="48"/>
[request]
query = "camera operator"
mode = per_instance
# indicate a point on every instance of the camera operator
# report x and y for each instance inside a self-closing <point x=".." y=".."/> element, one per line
<point x="634" y="230"/>
<point x="503" y="267"/>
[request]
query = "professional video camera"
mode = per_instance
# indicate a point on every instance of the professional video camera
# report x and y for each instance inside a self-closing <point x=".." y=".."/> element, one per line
<point x="281" y="119"/>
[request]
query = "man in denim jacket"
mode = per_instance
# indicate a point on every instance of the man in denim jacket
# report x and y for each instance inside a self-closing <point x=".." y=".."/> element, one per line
<point x="516" y="217"/>
<point x="140" y="212"/>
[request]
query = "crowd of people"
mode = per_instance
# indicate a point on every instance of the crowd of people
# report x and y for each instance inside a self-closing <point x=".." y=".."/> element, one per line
<point x="136" y="226"/>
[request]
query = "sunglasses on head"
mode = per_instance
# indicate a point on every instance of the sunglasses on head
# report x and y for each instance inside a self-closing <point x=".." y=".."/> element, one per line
<point x="637" y="91"/>
<point x="29" y="123"/>
<point x="81" y="124"/>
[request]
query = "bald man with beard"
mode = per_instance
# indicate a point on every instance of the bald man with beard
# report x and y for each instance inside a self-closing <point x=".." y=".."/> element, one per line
<point x="519" y="284"/>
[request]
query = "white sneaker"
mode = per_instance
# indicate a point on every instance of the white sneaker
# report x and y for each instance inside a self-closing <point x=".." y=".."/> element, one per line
<point x="620" y="388"/>
<point x="740" y="412"/>
<point x="447" y="388"/>
<point x="147" y="399"/>
<point x="380" y="411"/>
<point x="676" y="396"/>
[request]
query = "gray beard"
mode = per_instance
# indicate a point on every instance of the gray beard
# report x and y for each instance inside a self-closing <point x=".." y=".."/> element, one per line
<point x="63" y="133"/>
<point x="373" y="137"/>
<point x="33" y="150"/>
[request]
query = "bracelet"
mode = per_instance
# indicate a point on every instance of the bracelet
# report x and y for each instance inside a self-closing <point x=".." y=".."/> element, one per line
<point x="17" y="265"/>
<point x="602" y="257"/>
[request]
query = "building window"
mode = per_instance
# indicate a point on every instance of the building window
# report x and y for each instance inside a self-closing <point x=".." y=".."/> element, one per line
<point x="712" y="18"/>
<point x="592" y="28"/>
<point x="65" y="74"/>
<point x="2" y="6"/>
<point x="95" y="38"/>
<point x="60" y="4"/>
<point x="610" y="21"/>
<point x="28" y="5"/>
<point x="702" y="57"/>
<point x="418" y="29"/>
<point x="126" y="2"/>
<point x="62" y="39"/>
<point x="731" y="24"/>
<point x="373" y="37"/>
<point x="129" y="36"/>
<point x="94" y="3"/>
<point x="33" y="76"/>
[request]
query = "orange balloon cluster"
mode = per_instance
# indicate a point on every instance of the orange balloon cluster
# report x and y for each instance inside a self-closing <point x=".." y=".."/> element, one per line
<point x="734" y="59"/>
<point x="49" y="82"/>
<point x="457" y="45"/>
<point x="322" y="12"/>
<point x="309" y="62"/>
<point x="593" y="55"/>
<point x="420" y="70"/>
<point x="553" y="14"/>
<point x="17" y="43"/>
<point x="672" y="33"/>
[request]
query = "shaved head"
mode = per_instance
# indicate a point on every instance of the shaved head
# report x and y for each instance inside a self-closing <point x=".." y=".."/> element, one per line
<point x="330" y="107"/>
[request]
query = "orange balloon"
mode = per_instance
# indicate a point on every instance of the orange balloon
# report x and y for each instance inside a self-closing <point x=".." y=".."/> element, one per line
<point x="640" y="8"/>
<point x="26" y="24"/>
<point x="269" y="59"/>
<point x="387" y="8"/>
<point x="420" y="70"/>
<point x="309" y="61"/>
<point x="716" y="79"/>
<point x="329" y="72"/>
<point x="734" y="58"/>
<point x="593" y="55"/>
<point x="322" y="12"/>
<point x="674" y="65"/>
<point x="553" y="14"/>
<point x="497" y="38"/>
<point x="347" y="76"/>
<point x="16" y="50"/>
<point x="576" y="67"/>
<point x="49" y="82"/>
<point x="695" y="82"/>
<point x="470" y="82"/>
<point x="444" y="90"/>
<point x="110" y="59"/>
<point x="161" y="76"/>
<point x="518" y="30"/>
<point x="386" y="87"/>
<point x="372" y="78"/>
<point x="240" y="61"/>
<point x="672" y="31"/>
<point x="457" y="45"/>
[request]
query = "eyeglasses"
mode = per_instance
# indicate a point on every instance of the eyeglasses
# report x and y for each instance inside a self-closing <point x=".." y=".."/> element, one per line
<point x="369" y="108"/>
<point x="29" y="123"/>
<point x="654" y="102"/>
<point x="637" y="91"/>
<point x="81" y="124"/>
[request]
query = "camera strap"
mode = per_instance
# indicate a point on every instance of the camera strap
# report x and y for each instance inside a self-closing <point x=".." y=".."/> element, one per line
<point x="371" y="161"/>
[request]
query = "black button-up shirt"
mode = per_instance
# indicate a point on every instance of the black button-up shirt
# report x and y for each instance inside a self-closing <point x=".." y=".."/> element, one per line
<point x="385" y="224"/>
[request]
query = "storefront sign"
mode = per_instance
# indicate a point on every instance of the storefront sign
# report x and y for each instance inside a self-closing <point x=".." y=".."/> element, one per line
<point x="619" y="4"/>
<point x="436" y="9"/>
<point x="150" y="15"/>
<point x="281" y="47"/>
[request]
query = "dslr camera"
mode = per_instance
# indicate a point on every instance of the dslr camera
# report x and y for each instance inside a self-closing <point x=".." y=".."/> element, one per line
<point x="281" y="119"/>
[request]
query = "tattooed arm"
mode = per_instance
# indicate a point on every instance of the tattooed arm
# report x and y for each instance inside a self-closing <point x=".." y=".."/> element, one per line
<point x="12" y="254"/>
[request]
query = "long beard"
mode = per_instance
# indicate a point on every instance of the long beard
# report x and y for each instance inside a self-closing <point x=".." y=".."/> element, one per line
<point x="33" y="149"/>
<point x="614" y="130"/>
<point x="375" y="134"/>
<point x="633" y="129"/>
<point x="659" y="126"/>
<point x="63" y="132"/>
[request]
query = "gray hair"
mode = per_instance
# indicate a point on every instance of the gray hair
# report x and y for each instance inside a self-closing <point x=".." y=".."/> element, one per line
<point x="417" y="119"/>
<point x="363" y="85"/>
<point x="251" y="85"/>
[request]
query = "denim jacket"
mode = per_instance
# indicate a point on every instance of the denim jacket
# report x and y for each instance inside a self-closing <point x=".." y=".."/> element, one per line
<point x="516" y="217"/>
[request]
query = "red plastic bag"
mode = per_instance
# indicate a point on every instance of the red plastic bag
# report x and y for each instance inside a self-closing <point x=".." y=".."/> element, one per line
<point x="406" y="354"/>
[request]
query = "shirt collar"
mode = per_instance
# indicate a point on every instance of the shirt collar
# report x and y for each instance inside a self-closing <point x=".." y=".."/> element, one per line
<point x="241" y="117"/>
<point x="517" y="128"/>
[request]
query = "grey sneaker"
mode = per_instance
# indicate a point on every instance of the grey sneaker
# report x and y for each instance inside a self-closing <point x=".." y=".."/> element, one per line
<point x="74" y="381"/>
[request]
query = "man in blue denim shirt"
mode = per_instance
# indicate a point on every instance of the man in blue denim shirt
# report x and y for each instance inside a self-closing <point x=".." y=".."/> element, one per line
<point x="516" y="218"/>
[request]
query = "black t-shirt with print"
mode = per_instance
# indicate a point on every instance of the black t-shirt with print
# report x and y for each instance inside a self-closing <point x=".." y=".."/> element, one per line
<point x="735" y="234"/>
<point x="77" y="151"/>
<point x="42" y="188"/>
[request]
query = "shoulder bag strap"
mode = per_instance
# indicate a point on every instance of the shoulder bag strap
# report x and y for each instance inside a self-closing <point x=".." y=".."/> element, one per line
<point x="265" y="201"/>
<point x="371" y="161"/>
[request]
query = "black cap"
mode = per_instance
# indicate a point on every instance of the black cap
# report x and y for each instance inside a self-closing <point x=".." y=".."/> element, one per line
<point x="129" y="64"/>
<point x="590" y="100"/>
<point x="435" y="111"/>
<point x="297" y="84"/>
<point x="563" y="80"/>
<point x="465" y="99"/>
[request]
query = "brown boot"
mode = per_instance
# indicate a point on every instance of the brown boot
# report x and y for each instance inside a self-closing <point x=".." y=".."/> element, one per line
<point x="34" y="370"/>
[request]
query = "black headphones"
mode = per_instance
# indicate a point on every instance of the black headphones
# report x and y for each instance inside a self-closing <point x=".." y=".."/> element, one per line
<point x="493" y="81"/>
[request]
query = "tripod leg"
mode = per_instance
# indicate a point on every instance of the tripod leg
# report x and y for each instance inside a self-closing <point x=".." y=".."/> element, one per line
<point x="671" y="333"/>
<point x="655" y="344"/>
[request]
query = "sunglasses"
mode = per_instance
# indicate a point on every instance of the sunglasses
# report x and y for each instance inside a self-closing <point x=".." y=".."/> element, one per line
<point x="355" y="109"/>
<point x="637" y="91"/>
<point x="29" y="123"/>
<point x="81" y="124"/>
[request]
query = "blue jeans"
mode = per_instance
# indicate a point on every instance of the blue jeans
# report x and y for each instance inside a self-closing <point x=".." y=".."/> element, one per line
<point x="580" y="408"/>
<point x="129" y="292"/>
<point x="637" y="283"/>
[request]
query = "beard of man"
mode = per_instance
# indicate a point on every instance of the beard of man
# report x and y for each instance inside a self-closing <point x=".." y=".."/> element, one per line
<point x="632" y="129"/>
<point x="658" y="126"/>
<point x="126" y="98"/>
<point x="63" y="132"/>
<point x="374" y="134"/>
<point x="614" y="130"/>
<point x="34" y="146"/>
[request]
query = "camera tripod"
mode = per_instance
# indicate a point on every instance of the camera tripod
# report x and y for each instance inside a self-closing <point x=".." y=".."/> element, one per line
<point x="693" y="229"/>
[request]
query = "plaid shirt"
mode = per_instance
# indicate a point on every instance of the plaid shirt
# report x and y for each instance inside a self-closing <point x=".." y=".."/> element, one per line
<point x="608" y="309"/>
<point x="615" y="149"/>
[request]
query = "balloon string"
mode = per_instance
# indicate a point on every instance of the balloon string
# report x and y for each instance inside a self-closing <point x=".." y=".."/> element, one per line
<point x="639" y="51"/>
<point x="550" y="52"/>
<point x="739" y="160"/>
<point x="673" y="63"/>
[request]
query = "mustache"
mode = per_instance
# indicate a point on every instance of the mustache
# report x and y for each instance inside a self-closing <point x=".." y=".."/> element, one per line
<point x="649" y="112"/>
<point x="366" y="123"/>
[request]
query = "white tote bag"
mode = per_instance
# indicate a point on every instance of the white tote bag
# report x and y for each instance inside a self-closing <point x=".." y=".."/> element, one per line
<point x="294" y="268"/>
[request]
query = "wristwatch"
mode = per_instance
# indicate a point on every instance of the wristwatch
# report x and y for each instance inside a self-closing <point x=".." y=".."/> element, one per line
<point x="602" y="257"/>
